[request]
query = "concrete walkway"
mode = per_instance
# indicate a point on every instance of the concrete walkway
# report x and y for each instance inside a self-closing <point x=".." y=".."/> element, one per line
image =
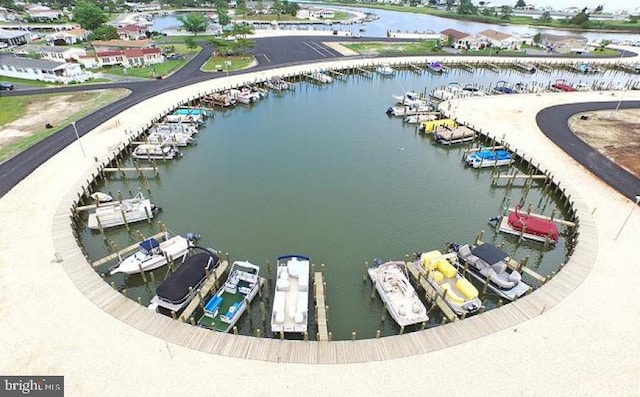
<point x="585" y="345"/>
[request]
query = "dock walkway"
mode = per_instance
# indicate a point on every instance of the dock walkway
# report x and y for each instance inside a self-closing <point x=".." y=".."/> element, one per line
<point x="321" y="315"/>
<point x="432" y="294"/>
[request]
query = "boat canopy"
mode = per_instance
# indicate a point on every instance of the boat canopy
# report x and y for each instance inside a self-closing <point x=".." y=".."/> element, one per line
<point x="149" y="244"/>
<point x="489" y="253"/>
<point x="175" y="288"/>
<point x="533" y="225"/>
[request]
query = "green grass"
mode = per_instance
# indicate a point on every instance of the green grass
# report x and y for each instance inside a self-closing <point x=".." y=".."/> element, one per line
<point x="32" y="83"/>
<point x="423" y="46"/>
<point x="180" y="48"/>
<point x="181" y="39"/>
<point x="237" y="62"/>
<point x="151" y="71"/>
<point x="15" y="107"/>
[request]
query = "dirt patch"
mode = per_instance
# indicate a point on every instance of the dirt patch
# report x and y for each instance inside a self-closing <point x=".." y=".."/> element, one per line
<point x="615" y="134"/>
<point x="54" y="110"/>
<point x="340" y="48"/>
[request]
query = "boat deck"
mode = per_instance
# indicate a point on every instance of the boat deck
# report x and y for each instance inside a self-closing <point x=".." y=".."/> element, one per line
<point x="505" y="227"/>
<point x="448" y="136"/>
<point x="289" y="300"/>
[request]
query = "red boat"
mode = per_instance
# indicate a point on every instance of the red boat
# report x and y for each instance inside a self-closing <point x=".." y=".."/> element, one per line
<point x="562" y="85"/>
<point x="540" y="228"/>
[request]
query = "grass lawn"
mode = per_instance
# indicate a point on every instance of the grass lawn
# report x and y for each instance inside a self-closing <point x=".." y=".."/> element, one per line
<point x="16" y="107"/>
<point x="32" y="83"/>
<point x="237" y="62"/>
<point x="423" y="46"/>
<point x="152" y="71"/>
<point x="180" y="39"/>
<point x="180" y="48"/>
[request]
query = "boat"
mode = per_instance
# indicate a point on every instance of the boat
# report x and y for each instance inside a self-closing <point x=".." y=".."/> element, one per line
<point x="525" y="67"/>
<point x="166" y="128"/>
<point x="184" y="118"/>
<point x="399" y="111"/>
<point x="419" y="118"/>
<point x="445" y="135"/>
<point x="277" y="84"/>
<point x="321" y="77"/>
<point x="385" y="70"/>
<point x="452" y="90"/>
<point x="502" y="88"/>
<point x="291" y="296"/>
<point x="436" y="67"/>
<point x="410" y="98"/>
<point x="428" y="127"/>
<point x="170" y="138"/>
<point x="118" y="213"/>
<point x="582" y="67"/>
<point x="489" y="265"/>
<point x="219" y="99"/>
<point x="153" y="254"/>
<point x="473" y="90"/>
<point x="197" y="112"/>
<point x="459" y="294"/>
<point x="224" y="308"/>
<point x="528" y="226"/>
<point x="177" y="290"/>
<point x="562" y="86"/>
<point x="101" y="197"/>
<point x="155" y="151"/>
<point x="486" y="157"/>
<point x="397" y="293"/>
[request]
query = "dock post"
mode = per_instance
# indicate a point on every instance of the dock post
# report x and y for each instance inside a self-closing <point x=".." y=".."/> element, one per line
<point x="146" y="211"/>
<point x="235" y="330"/>
<point x="192" y="320"/>
<point x="353" y="336"/>
<point x="365" y="265"/>
<point x="258" y="333"/>
<point x="281" y="335"/>
<point x="305" y="336"/>
<point x="377" y="334"/>
<point x="173" y="315"/>
<point x="384" y="311"/>
<point x="330" y="336"/>
<point x="144" y="277"/>
<point x="124" y="218"/>
<point x="263" y="316"/>
<point x="484" y="287"/>
<point x="402" y="330"/>
<point x="120" y="196"/>
<point x="444" y="320"/>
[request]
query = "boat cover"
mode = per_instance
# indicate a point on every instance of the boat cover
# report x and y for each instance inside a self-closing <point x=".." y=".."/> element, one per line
<point x="149" y="244"/>
<point x="537" y="226"/>
<point x="489" y="253"/>
<point x="175" y="288"/>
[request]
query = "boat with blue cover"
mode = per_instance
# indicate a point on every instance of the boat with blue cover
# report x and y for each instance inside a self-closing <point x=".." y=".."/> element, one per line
<point x="486" y="157"/>
<point x="436" y="67"/>
<point x="222" y="310"/>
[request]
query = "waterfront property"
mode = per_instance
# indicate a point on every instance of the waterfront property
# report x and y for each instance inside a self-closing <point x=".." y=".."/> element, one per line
<point x="42" y="70"/>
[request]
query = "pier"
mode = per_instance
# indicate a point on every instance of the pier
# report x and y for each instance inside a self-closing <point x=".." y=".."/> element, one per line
<point x="321" y="314"/>
<point x="209" y="284"/>
<point x="433" y="295"/>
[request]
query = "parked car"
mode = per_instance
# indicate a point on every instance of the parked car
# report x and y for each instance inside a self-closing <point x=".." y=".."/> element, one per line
<point x="6" y="86"/>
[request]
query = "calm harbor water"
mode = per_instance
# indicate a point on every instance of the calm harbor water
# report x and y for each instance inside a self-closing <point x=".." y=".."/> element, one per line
<point x="323" y="171"/>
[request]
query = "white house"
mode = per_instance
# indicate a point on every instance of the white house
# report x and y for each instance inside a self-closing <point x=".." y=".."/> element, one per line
<point x="51" y="53"/>
<point x="499" y="39"/>
<point x="14" y="37"/>
<point x="68" y="37"/>
<point x="38" y="69"/>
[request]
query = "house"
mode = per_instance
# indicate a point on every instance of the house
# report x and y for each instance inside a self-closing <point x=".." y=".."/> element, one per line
<point x="7" y="15"/>
<point x="563" y="44"/>
<point x="143" y="7"/>
<point x="132" y="32"/>
<point x="459" y="40"/>
<point x="14" y="37"/>
<point x="315" y="13"/>
<point x="43" y="13"/>
<point x="51" y="53"/>
<point x="106" y="45"/>
<point x="132" y="57"/>
<point x="43" y="70"/>
<point x="68" y="37"/>
<point x="499" y="39"/>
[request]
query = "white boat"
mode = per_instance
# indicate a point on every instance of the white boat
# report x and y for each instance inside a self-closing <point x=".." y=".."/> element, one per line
<point x="321" y="77"/>
<point x="395" y="290"/>
<point x="486" y="157"/>
<point x="385" y="70"/>
<point x="486" y="262"/>
<point x="452" y="90"/>
<point x="410" y="98"/>
<point x="459" y="294"/>
<point x="277" y="84"/>
<point x="170" y="138"/>
<point x="185" y="118"/>
<point x="243" y="97"/>
<point x="403" y="110"/>
<point x="224" y="309"/>
<point x="101" y="197"/>
<point x="166" y="128"/>
<point x="153" y="254"/>
<point x="115" y="213"/>
<point x="419" y="118"/>
<point x="155" y="151"/>
<point x="291" y="296"/>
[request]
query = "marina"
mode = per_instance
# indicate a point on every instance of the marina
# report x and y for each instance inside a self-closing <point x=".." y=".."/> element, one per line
<point x="535" y="192"/>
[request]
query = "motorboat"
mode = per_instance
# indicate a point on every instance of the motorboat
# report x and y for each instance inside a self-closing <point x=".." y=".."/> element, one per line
<point x="459" y="294"/>
<point x="410" y="98"/>
<point x="525" y="67"/>
<point x="177" y="290"/>
<point x="223" y="310"/>
<point x="529" y="227"/>
<point x="400" y="298"/>
<point x="446" y="135"/>
<point x="190" y="129"/>
<point x="419" y="118"/>
<point x="503" y="88"/>
<point x="452" y="90"/>
<point x="321" y="77"/>
<point x="405" y="110"/>
<point x="436" y="67"/>
<point x="277" y="84"/>
<point x="118" y="213"/>
<point x="101" y="197"/>
<point x="562" y="86"/>
<point x="155" y="151"/>
<point x="170" y="138"/>
<point x="473" y="90"/>
<point x="385" y="70"/>
<point x="489" y="265"/>
<point x="486" y="157"/>
<point x="291" y="296"/>
<point x="153" y="254"/>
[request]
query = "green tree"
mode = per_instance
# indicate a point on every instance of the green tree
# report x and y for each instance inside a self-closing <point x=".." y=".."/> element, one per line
<point x="466" y="7"/>
<point x="488" y="11"/>
<point x="241" y="8"/>
<point x="545" y="17"/>
<point x="241" y="30"/>
<point x="222" y="46"/>
<point x="88" y="15"/>
<point x="450" y="4"/>
<point x="191" y="43"/>
<point x="506" y="12"/>
<point x="223" y="16"/>
<point x="242" y="46"/>
<point x="104" y="32"/>
<point x="537" y="38"/>
<point x="520" y="4"/>
<point x="580" y="19"/>
<point x="603" y="44"/>
<point x="290" y="8"/>
<point x="194" y="22"/>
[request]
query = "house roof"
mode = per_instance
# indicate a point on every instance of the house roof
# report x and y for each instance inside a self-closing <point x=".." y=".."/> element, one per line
<point x="494" y="34"/>
<point x="132" y="28"/>
<point x="108" y="53"/>
<point x="151" y="50"/>
<point x="122" y="43"/>
<point x="456" y="34"/>
<point x="12" y="34"/>
<point x="40" y="48"/>
<point x="557" y="38"/>
<point x="134" y="53"/>
<point x="30" y="63"/>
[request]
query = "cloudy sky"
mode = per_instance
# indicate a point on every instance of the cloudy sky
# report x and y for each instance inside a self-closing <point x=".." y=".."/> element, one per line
<point x="609" y="5"/>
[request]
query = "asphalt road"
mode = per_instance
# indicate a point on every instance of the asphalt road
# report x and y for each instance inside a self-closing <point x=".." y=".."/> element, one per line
<point x="271" y="53"/>
<point x="553" y="122"/>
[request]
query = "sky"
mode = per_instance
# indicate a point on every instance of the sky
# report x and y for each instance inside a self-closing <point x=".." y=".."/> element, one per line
<point x="609" y="5"/>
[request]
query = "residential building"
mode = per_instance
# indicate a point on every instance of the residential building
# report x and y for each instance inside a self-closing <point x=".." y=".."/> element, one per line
<point x="14" y="37"/>
<point x="106" y="45"/>
<point x="43" y="13"/>
<point x="50" y="53"/>
<point x="133" y="57"/>
<point x="132" y="32"/>
<point x="499" y="39"/>
<point x="68" y="37"/>
<point x="461" y="40"/>
<point x="43" y="70"/>
<point x="563" y="44"/>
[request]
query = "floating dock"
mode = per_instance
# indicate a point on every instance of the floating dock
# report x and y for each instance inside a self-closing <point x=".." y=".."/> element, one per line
<point x="434" y="296"/>
<point x="321" y="315"/>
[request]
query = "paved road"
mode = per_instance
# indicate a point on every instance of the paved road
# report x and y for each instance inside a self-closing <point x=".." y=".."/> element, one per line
<point x="553" y="122"/>
<point x="270" y="52"/>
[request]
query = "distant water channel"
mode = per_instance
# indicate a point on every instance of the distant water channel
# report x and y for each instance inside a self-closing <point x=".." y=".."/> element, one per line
<point x="323" y="171"/>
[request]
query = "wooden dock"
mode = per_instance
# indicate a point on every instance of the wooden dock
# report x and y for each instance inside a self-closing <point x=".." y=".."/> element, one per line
<point x="138" y="169"/>
<point x="208" y="285"/>
<point x="515" y="265"/>
<point x="321" y="315"/>
<point x="433" y="295"/>
<point x="125" y="251"/>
